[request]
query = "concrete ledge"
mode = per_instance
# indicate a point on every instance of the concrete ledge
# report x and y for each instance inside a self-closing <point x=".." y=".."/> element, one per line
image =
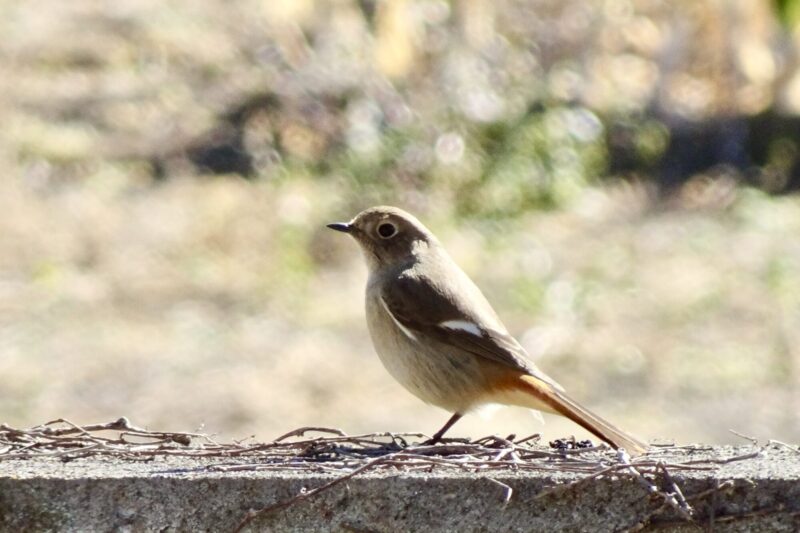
<point x="757" y="493"/>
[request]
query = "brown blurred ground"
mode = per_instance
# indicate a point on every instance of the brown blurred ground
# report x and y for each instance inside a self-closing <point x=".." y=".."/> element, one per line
<point x="187" y="299"/>
<point x="228" y="304"/>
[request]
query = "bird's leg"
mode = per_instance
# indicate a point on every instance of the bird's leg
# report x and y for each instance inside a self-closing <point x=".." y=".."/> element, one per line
<point x="438" y="435"/>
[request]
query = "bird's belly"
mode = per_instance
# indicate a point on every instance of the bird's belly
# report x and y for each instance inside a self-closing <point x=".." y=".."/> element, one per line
<point x="432" y="371"/>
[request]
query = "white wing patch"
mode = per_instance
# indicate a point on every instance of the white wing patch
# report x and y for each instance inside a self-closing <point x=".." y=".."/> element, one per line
<point x="404" y="329"/>
<point x="462" y="325"/>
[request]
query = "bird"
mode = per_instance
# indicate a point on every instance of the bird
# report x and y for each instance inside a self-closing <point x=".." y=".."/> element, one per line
<point x="440" y="338"/>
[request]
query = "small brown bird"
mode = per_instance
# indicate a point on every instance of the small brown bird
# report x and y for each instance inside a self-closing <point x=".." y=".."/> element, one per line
<point x="439" y="337"/>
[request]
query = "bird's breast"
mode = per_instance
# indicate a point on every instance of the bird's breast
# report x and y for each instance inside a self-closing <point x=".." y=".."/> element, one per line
<point x="434" y="372"/>
<point x="396" y="348"/>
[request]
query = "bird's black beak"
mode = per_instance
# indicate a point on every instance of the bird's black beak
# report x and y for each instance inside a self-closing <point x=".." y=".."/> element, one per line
<point x="341" y="226"/>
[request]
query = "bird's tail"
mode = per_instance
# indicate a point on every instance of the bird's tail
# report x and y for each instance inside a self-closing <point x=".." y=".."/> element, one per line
<point x="562" y="404"/>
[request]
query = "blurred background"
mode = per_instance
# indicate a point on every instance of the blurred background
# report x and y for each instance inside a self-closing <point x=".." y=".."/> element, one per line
<point x="618" y="176"/>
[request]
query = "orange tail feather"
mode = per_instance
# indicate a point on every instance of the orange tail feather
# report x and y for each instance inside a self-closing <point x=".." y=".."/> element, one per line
<point x="566" y="406"/>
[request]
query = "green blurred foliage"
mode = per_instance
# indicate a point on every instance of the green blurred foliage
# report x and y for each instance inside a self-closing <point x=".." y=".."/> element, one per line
<point x="788" y="12"/>
<point x="500" y="108"/>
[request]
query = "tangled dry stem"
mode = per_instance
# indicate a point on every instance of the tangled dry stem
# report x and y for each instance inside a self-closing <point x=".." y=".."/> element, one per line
<point x="348" y="456"/>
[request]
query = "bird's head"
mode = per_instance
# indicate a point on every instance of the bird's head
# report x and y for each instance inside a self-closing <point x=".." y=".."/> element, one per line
<point x="387" y="235"/>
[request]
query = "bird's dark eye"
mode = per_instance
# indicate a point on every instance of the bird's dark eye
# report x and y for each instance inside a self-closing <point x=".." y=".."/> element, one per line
<point x="386" y="230"/>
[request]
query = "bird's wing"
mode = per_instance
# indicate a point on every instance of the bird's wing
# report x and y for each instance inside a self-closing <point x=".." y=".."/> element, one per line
<point x="423" y="308"/>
